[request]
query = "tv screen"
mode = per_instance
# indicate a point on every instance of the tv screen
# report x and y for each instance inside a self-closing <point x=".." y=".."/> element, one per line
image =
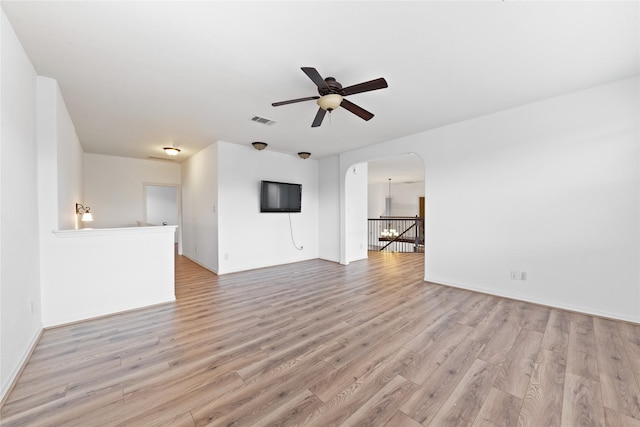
<point x="280" y="197"/>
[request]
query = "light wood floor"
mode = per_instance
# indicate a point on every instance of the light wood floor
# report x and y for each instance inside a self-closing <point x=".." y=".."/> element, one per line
<point x="316" y="343"/>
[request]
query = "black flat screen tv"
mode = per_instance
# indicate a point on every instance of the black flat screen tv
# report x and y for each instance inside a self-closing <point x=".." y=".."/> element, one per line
<point x="280" y="197"/>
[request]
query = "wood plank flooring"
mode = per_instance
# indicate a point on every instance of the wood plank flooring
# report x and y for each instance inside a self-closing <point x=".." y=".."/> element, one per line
<point x="319" y="344"/>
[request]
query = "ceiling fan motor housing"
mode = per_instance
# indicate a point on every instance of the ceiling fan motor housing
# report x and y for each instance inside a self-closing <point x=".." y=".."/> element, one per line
<point x="332" y="87"/>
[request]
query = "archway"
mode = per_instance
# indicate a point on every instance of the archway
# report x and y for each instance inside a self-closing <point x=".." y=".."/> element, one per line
<point x="366" y="188"/>
<point x="395" y="212"/>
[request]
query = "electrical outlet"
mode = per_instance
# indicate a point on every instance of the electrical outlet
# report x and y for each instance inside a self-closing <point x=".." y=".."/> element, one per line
<point x="518" y="275"/>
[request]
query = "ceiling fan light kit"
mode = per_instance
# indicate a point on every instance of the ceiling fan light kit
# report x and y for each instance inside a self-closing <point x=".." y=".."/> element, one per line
<point x="332" y="95"/>
<point x="330" y="102"/>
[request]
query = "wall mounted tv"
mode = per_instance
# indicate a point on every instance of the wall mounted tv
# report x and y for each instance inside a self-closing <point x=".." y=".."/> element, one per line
<point x="280" y="197"/>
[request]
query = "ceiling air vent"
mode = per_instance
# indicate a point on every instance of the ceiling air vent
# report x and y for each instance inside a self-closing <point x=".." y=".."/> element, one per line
<point x="262" y="120"/>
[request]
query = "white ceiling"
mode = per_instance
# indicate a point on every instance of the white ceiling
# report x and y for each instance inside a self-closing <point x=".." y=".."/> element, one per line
<point x="406" y="169"/>
<point x="137" y="76"/>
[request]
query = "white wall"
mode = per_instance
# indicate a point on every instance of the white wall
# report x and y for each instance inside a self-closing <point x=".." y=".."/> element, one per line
<point x="223" y="227"/>
<point x="162" y="205"/>
<point x="114" y="187"/>
<point x="78" y="278"/>
<point x="329" y="208"/>
<point x="69" y="165"/>
<point x="247" y="238"/>
<point x="105" y="271"/>
<point x="20" y="320"/>
<point x="405" y="198"/>
<point x="375" y="202"/>
<point x="200" y="207"/>
<point x="356" y="210"/>
<point x="551" y="188"/>
<point x="59" y="178"/>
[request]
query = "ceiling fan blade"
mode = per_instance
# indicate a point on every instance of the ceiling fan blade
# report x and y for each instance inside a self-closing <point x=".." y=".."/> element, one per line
<point x="319" y="116"/>
<point x="313" y="74"/>
<point x="365" y="87"/>
<point x="291" y="101"/>
<point x="358" y="111"/>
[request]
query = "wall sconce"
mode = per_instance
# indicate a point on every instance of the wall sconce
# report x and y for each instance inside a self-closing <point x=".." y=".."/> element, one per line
<point x="172" y="151"/>
<point x="259" y="145"/>
<point x="304" y="154"/>
<point x="85" y="212"/>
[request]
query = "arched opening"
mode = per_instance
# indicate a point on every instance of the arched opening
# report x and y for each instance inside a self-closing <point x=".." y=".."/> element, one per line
<point x="385" y="207"/>
<point x="396" y="204"/>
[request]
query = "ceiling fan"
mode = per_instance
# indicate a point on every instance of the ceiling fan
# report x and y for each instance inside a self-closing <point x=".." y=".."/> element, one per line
<point x="332" y="95"/>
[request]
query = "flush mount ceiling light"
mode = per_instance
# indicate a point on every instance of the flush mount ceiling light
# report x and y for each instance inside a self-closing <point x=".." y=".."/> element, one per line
<point x="330" y="102"/>
<point x="259" y="145"/>
<point x="304" y="154"/>
<point x="172" y="151"/>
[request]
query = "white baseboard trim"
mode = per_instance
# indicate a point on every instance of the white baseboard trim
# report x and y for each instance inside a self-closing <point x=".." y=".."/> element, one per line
<point x="213" y="270"/>
<point x="538" y="301"/>
<point x="102" y="316"/>
<point x="13" y="378"/>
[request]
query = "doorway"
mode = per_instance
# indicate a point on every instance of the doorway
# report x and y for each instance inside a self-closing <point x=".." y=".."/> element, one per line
<point x="396" y="204"/>
<point x="162" y="207"/>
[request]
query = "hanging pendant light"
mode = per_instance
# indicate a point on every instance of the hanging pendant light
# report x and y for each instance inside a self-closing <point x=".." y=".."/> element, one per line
<point x="389" y="232"/>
